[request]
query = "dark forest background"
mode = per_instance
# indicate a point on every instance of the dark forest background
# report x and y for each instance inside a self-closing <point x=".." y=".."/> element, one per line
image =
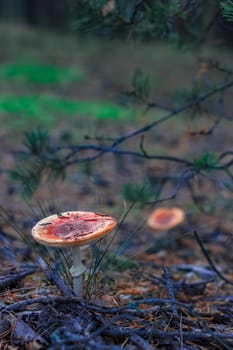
<point x="59" y="15"/>
<point x="38" y="13"/>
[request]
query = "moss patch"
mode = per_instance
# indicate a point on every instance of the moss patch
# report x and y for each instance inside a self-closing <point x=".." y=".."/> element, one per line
<point x="46" y="109"/>
<point x="35" y="73"/>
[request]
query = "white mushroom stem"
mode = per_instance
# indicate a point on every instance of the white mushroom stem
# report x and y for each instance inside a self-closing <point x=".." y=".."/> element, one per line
<point x="77" y="271"/>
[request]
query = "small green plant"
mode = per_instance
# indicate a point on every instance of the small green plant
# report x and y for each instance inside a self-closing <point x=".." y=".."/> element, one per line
<point x="34" y="161"/>
<point x="36" y="141"/>
<point x="140" y="194"/>
<point x="140" y="89"/>
<point x="206" y="162"/>
<point x="141" y="84"/>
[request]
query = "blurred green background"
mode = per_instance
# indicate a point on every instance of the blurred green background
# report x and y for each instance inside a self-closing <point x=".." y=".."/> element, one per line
<point x="51" y="69"/>
<point x="56" y="73"/>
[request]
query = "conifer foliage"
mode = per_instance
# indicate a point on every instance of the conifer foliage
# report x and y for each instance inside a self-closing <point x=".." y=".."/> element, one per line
<point x="179" y="20"/>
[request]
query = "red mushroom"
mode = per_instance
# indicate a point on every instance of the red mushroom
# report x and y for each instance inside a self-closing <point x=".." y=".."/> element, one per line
<point x="73" y="229"/>
<point x="165" y="218"/>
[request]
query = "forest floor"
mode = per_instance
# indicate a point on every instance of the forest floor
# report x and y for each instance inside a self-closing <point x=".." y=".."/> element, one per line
<point x="167" y="290"/>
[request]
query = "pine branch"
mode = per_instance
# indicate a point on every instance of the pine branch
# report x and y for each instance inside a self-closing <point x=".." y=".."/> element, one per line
<point x="227" y="9"/>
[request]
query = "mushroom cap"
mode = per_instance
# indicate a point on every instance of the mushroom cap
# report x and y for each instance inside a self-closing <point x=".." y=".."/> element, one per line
<point x="165" y="218"/>
<point x="73" y="228"/>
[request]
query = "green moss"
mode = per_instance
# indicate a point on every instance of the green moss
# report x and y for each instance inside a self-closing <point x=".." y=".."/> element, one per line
<point x="45" y="109"/>
<point x="35" y="73"/>
<point x="27" y="105"/>
<point x="96" y="109"/>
